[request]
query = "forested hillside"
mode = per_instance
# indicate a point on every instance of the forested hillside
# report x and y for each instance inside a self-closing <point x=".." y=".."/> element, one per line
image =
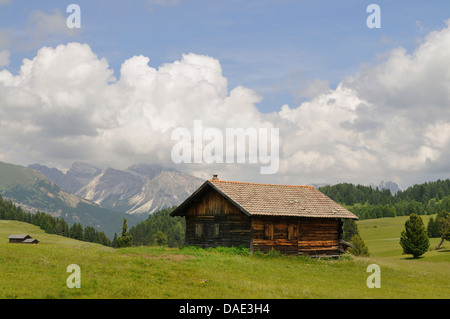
<point x="367" y="202"/>
<point x="52" y="225"/>
<point x="159" y="229"/>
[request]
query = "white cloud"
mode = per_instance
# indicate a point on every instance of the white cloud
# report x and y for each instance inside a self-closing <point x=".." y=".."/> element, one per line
<point x="390" y="121"/>
<point x="66" y="101"/>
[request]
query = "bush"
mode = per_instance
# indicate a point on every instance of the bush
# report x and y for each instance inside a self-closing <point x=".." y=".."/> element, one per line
<point x="359" y="246"/>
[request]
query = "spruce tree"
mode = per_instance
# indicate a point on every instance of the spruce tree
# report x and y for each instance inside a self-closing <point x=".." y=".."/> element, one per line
<point x="114" y="241"/>
<point x="350" y="229"/>
<point x="125" y="240"/>
<point x="414" y="238"/>
<point x="433" y="228"/>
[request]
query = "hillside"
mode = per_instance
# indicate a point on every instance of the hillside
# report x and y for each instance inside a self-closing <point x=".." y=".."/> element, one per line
<point x="139" y="190"/>
<point x="34" y="192"/>
<point x="39" y="271"/>
<point x="367" y="202"/>
<point x="382" y="237"/>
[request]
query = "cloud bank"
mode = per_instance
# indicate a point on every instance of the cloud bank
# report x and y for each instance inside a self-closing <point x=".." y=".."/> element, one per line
<point x="390" y="121"/>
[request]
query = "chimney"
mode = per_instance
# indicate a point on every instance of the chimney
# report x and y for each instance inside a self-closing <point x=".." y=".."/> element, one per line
<point x="215" y="178"/>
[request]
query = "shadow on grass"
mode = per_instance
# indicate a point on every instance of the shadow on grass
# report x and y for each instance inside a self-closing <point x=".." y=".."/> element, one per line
<point x="414" y="258"/>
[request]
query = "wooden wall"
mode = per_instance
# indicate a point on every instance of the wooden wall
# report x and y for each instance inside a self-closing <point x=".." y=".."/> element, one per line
<point x="319" y="236"/>
<point x="292" y="236"/>
<point x="221" y="223"/>
<point x="275" y="233"/>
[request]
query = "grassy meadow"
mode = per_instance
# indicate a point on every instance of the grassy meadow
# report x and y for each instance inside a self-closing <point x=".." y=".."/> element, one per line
<point x="40" y="271"/>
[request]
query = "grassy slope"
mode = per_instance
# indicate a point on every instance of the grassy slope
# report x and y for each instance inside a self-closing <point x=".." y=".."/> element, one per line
<point x="382" y="236"/>
<point x="39" y="271"/>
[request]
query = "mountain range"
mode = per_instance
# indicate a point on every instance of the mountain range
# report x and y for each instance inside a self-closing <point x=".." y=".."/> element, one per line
<point x="139" y="190"/>
<point x="33" y="192"/>
<point x="100" y="198"/>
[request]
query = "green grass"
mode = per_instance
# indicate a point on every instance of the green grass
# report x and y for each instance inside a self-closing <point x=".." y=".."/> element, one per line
<point x="382" y="236"/>
<point x="39" y="271"/>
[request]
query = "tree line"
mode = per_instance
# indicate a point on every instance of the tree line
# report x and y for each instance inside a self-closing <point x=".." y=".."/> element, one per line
<point x="52" y="225"/>
<point x="367" y="202"/>
<point x="159" y="229"/>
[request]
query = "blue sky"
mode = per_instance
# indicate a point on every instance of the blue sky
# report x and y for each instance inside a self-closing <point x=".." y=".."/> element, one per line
<point x="272" y="47"/>
<point x="353" y="104"/>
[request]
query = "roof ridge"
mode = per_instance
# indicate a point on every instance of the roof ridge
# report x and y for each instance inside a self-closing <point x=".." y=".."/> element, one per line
<point x="249" y="183"/>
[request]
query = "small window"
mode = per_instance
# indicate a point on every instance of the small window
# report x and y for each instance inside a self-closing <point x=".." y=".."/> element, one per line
<point x="216" y="230"/>
<point x="198" y="230"/>
<point x="292" y="232"/>
<point x="268" y="231"/>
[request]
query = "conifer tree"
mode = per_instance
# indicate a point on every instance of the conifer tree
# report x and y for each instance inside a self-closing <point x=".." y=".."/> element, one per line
<point x="114" y="241"/>
<point x="414" y="238"/>
<point x="125" y="240"/>
<point x="433" y="230"/>
<point x="350" y="229"/>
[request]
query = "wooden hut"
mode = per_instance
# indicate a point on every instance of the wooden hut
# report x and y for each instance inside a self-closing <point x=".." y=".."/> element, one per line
<point x="30" y="241"/>
<point x="22" y="239"/>
<point x="18" y="239"/>
<point x="293" y="220"/>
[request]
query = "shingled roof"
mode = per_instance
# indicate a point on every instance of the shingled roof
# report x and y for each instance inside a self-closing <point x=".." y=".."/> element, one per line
<point x="272" y="200"/>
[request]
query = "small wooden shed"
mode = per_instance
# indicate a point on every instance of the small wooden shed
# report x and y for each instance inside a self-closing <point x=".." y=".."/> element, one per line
<point x="293" y="220"/>
<point x="30" y="241"/>
<point x="22" y="239"/>
<point x="17" y="238"/>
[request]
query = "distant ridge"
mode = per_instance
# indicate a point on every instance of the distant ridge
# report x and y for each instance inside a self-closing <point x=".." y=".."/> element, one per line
<point x="139" y="190"/>
<point x="34" y="192"/>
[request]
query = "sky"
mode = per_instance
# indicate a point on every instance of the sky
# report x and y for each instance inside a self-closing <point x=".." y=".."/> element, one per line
<point x="351" y="103"/>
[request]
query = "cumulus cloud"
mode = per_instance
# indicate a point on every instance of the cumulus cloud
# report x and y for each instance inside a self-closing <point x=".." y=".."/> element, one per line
<point x="390" y="121"/>
<point x="66" y="103"/>
<point x="390" y="118"/>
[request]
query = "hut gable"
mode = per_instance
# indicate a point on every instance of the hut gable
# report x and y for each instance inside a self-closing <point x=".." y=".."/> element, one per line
<point x="290" y="219"/>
